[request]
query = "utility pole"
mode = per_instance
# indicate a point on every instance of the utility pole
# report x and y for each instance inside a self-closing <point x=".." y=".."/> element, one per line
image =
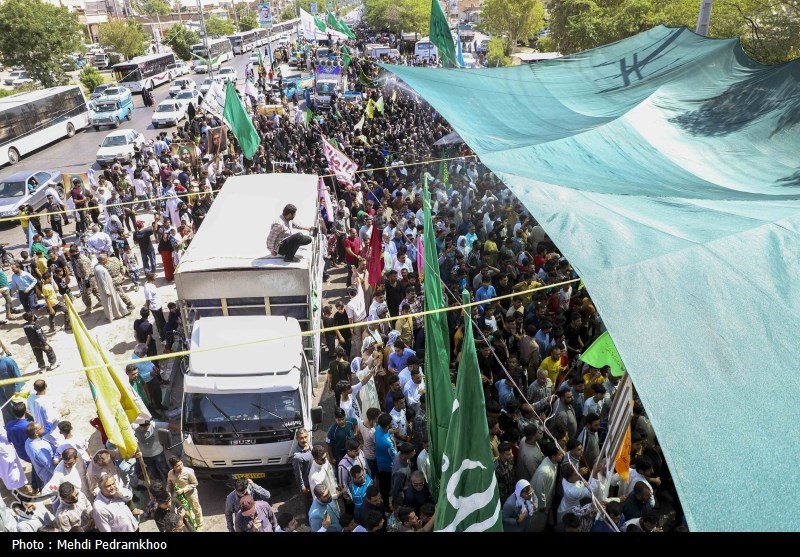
<point x="205" y="40"/>
<point x="235" y="14"/>
<point x="704" y="18"/>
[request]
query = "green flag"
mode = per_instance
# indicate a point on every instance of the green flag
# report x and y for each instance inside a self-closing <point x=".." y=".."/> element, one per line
<point x="344" y="28"/>
<point x="441" y="37"/>
<point x="439" y="395"/>
<point x="603" y="352"/>
<point x="333" y="23"/>
<point x="319" y="23"/>
<point x="308" y="115"/>
<point x="469" y="500"/>
<point x="367" y="81"/>
<point x="346" y="57"/>
<point x="444" y="174"/>
<point x="240" y="123"/>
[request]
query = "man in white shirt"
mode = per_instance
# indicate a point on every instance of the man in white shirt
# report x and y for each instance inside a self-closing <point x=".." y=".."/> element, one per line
<point x="43" y="407"/>
<point x="110" y="510"/>
<point x="402" y="261"/>
<point x="321" y="472"/>
<point x="99" y="242"/>
<point x="405" y="374"/>
<point x="414" y="389"/>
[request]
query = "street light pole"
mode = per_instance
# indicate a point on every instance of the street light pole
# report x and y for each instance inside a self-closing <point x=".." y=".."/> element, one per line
<point x="205" y="40"/>
<point x="704" y="18"/>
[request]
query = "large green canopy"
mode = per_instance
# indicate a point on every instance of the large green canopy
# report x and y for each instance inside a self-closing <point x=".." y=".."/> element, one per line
<point x="667" y="168"/>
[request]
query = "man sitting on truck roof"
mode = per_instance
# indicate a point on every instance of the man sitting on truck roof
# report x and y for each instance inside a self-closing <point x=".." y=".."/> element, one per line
<point x="282" y="239"/>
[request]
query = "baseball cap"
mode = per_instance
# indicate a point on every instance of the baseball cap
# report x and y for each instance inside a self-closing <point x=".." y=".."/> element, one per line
<point x="247" y="505"/>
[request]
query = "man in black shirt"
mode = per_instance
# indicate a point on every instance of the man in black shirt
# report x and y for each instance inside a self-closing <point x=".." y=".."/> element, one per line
<point x="395" y="292"/>
<point x="143" y="332"/>
<point x="38" y="342"/>
<point x="143" y="238"/>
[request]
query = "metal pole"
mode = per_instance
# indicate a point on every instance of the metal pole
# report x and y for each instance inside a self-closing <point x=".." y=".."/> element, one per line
<point x="235" y="15"/>
<point x="297" y="11"/>
<point x="205" y="39"/>
<point x="704" y="18"/>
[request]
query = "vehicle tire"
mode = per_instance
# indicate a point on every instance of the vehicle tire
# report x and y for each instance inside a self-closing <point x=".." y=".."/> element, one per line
<point x="60" y="191"/>
<point x="155" y="126"/>
<point x="8" y="259"/>
<point x="70" y="129"/>
<point x="13" y="156"/>
<point x="128" y="116"/>
<point x="116" y="122"/>
<point x="97" y="128"/>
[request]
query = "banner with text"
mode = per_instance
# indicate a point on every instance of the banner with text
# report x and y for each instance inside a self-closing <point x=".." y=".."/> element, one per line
<point x="339" y="163"/>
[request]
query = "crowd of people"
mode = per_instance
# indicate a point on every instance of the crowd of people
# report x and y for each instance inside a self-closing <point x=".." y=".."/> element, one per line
<point x="372" y="472"/>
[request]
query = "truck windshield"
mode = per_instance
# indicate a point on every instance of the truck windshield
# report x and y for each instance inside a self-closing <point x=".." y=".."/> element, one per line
<point x="107" y="107"/>
<point x="325" y="88"/>
<point x="242" y="413"/>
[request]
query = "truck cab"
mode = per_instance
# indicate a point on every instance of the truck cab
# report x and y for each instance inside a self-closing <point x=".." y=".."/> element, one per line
<point x="112" y="109"/>
<point x="247" y="391"/>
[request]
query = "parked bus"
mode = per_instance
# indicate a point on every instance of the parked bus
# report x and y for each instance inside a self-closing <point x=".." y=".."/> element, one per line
<point x="243" y="42"/>
<point x="262" y="36"/>
<point x="32" y="120"/>
<point x="220" y="49"/>
<point x="145" y="71"/>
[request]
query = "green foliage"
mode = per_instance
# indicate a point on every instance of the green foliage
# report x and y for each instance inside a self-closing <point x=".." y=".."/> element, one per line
<point x="180" y="38"/>
<point x="37" y="36"/>
<point x="217" y="27"/>
<point x="769" y="29"/>
<point x="247" y="22"/>
<point x="396" y="15"/>
<point x="288" y="13"/>
<point x="516" y="20"/>
<point x="90" y="78"/>
<point x="151" y="8"/>
<point x="546" y="44"/>
<point x="497" y="53"/>
<point x="126" y="37"/>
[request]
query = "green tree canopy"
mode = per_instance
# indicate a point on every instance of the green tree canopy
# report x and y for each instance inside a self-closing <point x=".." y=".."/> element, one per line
<point x="38" y="37"/>
<point x="218" y="27"/>
<point x="398" y="15"/>
<point x="151" y="8"/>
<point x="769" y="29"/>
<point x="180" y="39"/>
<point x="515" y="20"/>
<point x="288" y="13"/>
<point x="497" y="53"/>
<point x="124" y="36"/>
<point x="247" y="22"/>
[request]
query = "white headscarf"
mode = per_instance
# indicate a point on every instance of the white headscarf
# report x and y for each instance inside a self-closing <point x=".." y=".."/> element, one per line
<point x="522" y="503"/>
<point x="393" y="336"/>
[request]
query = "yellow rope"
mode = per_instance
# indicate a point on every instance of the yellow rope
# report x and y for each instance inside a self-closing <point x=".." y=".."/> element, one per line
<point x="183" y="353"/>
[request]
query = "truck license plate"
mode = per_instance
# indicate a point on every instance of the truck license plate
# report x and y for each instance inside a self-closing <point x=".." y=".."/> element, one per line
<point x="251" y="476"/>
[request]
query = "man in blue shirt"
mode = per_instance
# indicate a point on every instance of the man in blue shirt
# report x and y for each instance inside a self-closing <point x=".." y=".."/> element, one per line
<point x="8" y="370"/>
<point x="25" y="283"/>
<point x="324" y="504"/>
<point x="41" y="456"/>
<point x="16" y="429"/>
<point x="359" y="483"/>
<point x="385" y="452"/>
<point x="485" y="292"/>
<point x="398" y="359"/>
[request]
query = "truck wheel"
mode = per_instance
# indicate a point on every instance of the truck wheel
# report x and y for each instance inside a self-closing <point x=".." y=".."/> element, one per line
<point x="70" y="130"/>
<point x="116" y="122"/>
<point x="128" y="116"/>
<point x="13" y="156"/>
<point x="97" y="128"/>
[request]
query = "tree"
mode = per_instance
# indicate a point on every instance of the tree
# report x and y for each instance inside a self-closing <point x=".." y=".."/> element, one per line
<point x="124" y="36"/>
<point x="218" y="27"/>
<point x="769" y="29"/>
<point x="398" y="15"/>
<point x="38" y="36"/>
<point x="90" y="78"/>
<point x="515" y="20"/>
<point x="288" y="13"/>
<point x="497" y="53"/>
<point x="247" y="22"/>
<point x="180" y="39"/>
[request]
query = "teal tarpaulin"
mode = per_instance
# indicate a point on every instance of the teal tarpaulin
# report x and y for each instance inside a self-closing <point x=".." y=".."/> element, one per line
<point x="667" y="168"/>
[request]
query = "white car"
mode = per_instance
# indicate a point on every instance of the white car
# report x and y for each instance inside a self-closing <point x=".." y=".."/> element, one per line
<point x="180" y="84"/>
<point x="469" y="60"/>
<point x="253" y="58"/>
<point x="189" y="96"/>
<point x="169" y="113"/>
<point x="227" y="74"/>
<point x="12" y="76"/>
<point x="202" y="67"/>
<point x="117" y="92"/>
<point x="206" y="85"/>
<point x="118" y="146"/>
<point x="22" y="79"/>
<point x="179" y="68"/>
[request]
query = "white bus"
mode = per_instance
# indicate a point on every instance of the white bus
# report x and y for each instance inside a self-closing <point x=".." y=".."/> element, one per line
<point x="29" y="121"/>
<point x="262" y="36"/>
<point x="145" y="71"/>
<point x="243" y="42"/>
<point x="221" y="51"/>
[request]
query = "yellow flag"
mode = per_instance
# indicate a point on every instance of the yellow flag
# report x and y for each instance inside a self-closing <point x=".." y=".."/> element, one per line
<point x="117" y="405"/>
<point x="623" y="463"/>
<point x="371" y="109"/>
<point x="363" y="139"/>
<point x="379" y="104"/>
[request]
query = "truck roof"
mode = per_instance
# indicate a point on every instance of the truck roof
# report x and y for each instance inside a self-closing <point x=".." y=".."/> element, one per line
<point x="259" y="365"/>
<point x="234" y="232"/>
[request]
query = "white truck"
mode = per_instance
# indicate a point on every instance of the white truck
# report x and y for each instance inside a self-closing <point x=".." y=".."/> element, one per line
<point x="329" y="79"/>
<point x="251" y="374"/>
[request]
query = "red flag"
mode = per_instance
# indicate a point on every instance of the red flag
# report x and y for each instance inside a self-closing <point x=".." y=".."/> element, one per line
<point x="375" y="263"/>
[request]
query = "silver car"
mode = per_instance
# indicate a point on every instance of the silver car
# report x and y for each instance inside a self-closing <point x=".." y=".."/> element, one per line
<point x="27" y="187"/>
